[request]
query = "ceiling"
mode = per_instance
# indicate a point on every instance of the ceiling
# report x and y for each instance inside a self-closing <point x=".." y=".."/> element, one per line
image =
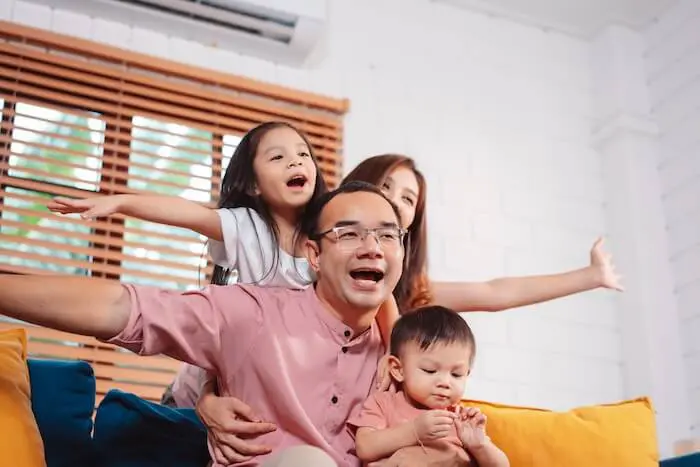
<point x="577" y="17"/>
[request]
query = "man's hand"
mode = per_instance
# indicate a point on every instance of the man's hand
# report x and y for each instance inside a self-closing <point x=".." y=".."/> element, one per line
<point x="433" y="425"/>
<point x="230" y="422"/>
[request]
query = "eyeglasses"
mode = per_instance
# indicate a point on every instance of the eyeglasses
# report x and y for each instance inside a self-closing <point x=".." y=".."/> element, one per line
<point x="350" y="237"/>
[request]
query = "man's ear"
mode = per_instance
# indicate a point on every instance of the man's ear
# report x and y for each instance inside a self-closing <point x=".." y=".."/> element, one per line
<point x="313" y="254"/>
<point x="395" y="368"/>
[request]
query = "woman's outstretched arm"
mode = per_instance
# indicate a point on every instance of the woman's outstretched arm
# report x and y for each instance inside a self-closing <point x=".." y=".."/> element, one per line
<point x="512" y="292"/>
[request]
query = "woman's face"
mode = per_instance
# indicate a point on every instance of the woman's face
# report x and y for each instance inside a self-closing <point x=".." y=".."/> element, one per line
<point x="401" y="187"/>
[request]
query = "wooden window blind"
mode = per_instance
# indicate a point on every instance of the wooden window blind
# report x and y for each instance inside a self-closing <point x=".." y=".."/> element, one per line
<point x="80" y="119"/>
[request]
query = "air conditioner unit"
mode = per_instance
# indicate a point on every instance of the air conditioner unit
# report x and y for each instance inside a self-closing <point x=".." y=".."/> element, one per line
<point x="282" y="31"/>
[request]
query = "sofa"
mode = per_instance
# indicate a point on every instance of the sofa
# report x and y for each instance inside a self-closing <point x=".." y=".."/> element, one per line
<point x="127" y="431"/>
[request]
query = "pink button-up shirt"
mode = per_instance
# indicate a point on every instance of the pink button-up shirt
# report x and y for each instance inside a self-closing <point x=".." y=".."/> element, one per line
<point x="277" y="349"/>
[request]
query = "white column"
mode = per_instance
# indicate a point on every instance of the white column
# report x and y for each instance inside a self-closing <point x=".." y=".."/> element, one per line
<point x="626" y="138"/>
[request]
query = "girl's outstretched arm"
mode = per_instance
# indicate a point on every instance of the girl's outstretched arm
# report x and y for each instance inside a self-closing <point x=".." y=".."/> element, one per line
<point x="169" y="210"/>
<point x="511" y="292"/>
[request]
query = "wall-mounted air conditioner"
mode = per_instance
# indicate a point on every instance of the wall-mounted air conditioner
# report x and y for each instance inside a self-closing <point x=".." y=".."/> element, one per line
<point x="282" y="31"/>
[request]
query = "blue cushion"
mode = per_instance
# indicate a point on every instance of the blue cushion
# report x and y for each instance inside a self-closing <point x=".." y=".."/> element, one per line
<point x="63" y="399"/>
<point x="689" y="460"/>
<point x="132" y="432"/>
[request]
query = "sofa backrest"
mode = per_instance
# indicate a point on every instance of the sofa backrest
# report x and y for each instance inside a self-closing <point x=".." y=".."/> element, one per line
<point x="114" y="368"/>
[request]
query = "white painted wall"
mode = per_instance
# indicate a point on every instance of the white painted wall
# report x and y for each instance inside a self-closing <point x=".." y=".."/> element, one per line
<point x="673" y="69"/>
<point x="500" y="117"/>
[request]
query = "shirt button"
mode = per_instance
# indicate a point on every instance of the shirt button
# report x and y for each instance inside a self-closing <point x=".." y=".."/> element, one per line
<point x="345" y="350"/>
<point x="334" y="400"/>
<point x="347" y="333"/>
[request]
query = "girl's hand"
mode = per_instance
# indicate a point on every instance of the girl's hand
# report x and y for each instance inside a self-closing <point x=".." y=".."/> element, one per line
<point x="88" y="208"/>
<point x="230" y="425"/>
<point x="604" y="267"/>
<point x="471" y="426"/>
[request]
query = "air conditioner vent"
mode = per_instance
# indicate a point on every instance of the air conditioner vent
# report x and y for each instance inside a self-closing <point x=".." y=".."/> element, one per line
<point x="230" y="15"/>
<point x="284" y="31"/>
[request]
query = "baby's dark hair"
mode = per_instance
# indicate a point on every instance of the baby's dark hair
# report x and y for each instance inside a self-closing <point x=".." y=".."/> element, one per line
<point x="430" y="325"/>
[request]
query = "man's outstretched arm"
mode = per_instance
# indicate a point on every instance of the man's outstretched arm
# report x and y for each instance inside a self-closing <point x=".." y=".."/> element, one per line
<point x="80" y="305"/>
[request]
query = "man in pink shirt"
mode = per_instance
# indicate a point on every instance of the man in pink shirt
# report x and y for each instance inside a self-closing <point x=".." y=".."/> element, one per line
<point x="305" y="360"/>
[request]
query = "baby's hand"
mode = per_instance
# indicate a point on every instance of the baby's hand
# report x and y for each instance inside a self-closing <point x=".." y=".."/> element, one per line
<point x="433" y="425"/>
<point x="471" y="426"/>
<point x="88" y="208"/>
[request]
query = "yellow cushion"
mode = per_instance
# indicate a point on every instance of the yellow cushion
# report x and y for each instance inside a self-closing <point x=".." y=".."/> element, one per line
<point x="612" y="435"/>
<point x="20" y="441"/>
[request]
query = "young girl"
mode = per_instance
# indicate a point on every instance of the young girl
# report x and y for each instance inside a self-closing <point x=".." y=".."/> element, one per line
<point x="271" y="178"/>
<point x="432" y="351"/>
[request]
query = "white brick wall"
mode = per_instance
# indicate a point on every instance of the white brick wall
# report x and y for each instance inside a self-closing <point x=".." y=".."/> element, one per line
<point x="673" y="68"/>
<point x="498" y="117"/>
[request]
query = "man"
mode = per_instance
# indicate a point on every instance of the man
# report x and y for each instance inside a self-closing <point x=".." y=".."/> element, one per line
<point x="304" y="359"/>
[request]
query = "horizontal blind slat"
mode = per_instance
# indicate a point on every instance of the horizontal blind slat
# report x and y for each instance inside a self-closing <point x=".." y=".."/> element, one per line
<point x="93" y="267"/>
<point x="12" y="55"/>
<point x="120" y="97"/>
<point x="116" y="55"/>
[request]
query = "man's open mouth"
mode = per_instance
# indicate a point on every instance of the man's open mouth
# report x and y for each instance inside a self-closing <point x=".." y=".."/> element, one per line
<point x="297" y="181"/>
<point x="367" y="274"/>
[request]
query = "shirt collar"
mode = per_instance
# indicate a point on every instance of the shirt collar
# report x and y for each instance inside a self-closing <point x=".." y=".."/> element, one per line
<point x="341" y="331"/>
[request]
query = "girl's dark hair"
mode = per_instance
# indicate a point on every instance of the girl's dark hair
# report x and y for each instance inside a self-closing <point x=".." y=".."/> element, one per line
<point x="238" y="189"/>
<point x="413" y="289"/>
<point x="431" y="325"/>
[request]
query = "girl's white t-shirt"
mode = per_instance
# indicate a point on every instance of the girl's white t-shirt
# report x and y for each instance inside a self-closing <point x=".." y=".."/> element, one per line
<point x="249" y="248"/>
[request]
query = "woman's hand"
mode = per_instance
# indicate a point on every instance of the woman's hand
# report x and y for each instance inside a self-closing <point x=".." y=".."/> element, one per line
<point x="605" y="269"/>
<point x="384" y="380"/>
<point x="231" y="424"/>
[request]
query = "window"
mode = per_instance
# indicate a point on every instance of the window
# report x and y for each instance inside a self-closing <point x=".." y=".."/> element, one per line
<point x="81" y="119"/>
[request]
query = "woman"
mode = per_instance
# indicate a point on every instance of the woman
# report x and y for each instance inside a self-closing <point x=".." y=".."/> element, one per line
<point x="404" y="184"/>
<point x="229" y="420"/>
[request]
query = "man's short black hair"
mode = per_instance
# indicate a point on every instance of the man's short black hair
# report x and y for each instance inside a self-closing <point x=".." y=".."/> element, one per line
<point x="312" y="213"/>
<point x="430" y="325"/>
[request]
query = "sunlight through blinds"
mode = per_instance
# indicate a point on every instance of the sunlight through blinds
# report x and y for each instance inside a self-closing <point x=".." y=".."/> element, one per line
<point x="81" y="119"/>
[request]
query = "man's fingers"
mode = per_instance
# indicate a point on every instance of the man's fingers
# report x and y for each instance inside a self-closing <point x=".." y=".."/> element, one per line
<point x="242" y="446"/>
<point x="231" y="456"/>
<point x="243" y="428"/>
<point x="243" y="410"/>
